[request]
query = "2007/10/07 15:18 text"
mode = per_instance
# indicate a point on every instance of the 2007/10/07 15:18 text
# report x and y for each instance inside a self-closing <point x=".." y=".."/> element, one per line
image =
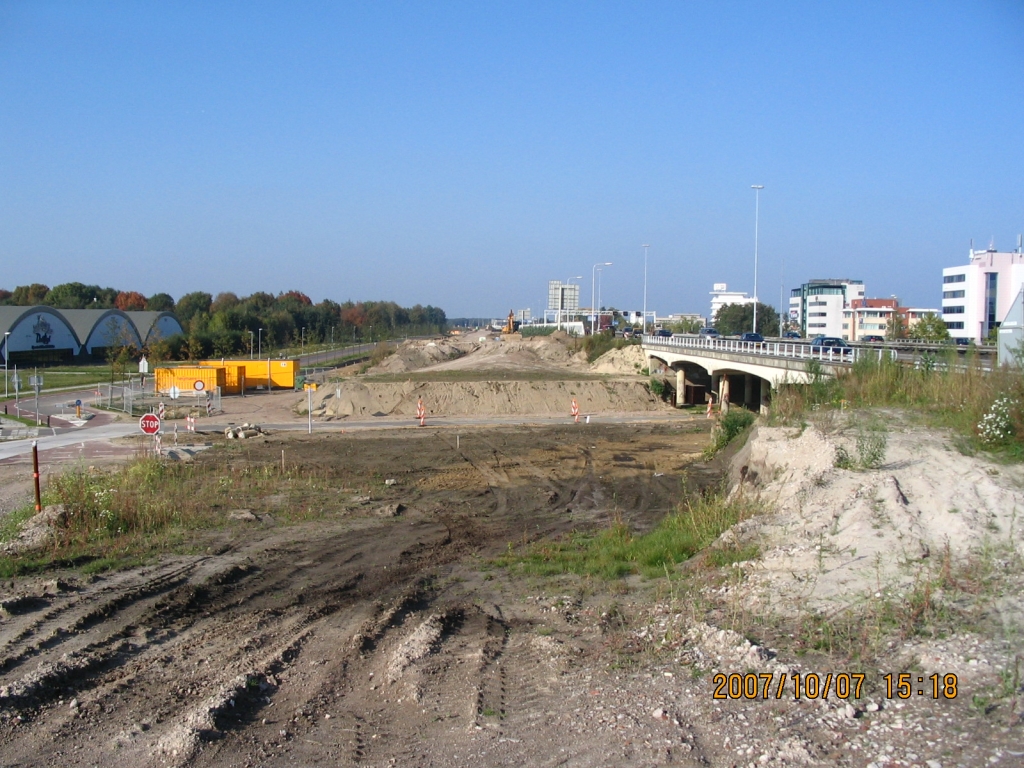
<point x="844" y="685"/>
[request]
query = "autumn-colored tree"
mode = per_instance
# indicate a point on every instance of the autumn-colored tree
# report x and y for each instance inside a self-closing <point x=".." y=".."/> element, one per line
<point x="130" y="301"/>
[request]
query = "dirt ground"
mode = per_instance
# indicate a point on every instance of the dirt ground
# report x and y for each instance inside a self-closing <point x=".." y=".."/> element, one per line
<point x="380" y="632"/>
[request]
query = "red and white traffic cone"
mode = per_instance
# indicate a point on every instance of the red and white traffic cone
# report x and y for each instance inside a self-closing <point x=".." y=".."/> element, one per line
<point x="575" y="411"/>
<point x="421" y="413"/>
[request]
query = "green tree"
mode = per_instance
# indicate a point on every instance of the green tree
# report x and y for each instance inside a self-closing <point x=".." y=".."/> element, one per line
<point x="734" y="319"/>
<point x="897" y="328"/>
<point x="29" y="295"/>
<point x="71" y="296"/>
<point x="160" y="302"/>
<point x="931" y="328"/>
<point x="190" y="305"/>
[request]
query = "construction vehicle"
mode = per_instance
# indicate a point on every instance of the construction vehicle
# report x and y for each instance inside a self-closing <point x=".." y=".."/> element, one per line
<point x="511" y="326"/>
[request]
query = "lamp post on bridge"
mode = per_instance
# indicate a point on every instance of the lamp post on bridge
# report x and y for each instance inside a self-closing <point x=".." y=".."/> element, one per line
<point x="645" y="246"/>
<point x="757" y="203"/>
<point x="593" y="296"/>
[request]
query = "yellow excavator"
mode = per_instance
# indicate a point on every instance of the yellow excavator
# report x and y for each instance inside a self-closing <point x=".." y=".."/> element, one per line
<point x="511" y="326"/>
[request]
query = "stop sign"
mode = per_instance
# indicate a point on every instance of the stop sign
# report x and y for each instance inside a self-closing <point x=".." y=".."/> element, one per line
<point x="150" y="423"/>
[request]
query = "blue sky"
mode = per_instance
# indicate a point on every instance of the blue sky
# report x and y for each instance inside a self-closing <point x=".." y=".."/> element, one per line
<point x="463" y="154"/>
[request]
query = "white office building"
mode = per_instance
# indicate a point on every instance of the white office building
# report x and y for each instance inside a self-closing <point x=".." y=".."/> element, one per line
<point x="817" y="306"/>
<point x="721" y="295"/>
<point x="977" y="295"/>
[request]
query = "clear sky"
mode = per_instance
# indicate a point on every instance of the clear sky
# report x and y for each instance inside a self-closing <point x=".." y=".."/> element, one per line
<point x="463" y="154"/>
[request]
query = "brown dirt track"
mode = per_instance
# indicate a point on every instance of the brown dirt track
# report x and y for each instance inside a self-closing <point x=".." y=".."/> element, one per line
<point x="352" y="638"/>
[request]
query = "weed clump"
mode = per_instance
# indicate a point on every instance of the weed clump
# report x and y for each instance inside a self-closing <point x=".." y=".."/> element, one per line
<point x="616" y="552"/>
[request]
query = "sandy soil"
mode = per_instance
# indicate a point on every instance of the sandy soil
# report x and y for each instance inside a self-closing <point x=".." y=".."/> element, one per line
<point x="380" y="633"/>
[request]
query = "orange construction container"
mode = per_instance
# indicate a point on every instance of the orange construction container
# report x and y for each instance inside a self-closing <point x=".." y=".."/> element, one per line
<point x="234" y="375"/>
<point x="190" y="379"/>
<point x="281" y="373"/>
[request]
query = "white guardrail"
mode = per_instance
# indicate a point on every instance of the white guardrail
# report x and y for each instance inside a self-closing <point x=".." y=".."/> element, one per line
<point x="782" y="349"/>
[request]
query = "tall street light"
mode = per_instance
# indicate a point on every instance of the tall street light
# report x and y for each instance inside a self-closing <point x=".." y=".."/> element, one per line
<point x="251" y="335"/>
<point x="645" y="246"/>
<point x="7" y="354"/>
<point x="593" y="293"/>
<point x="757" y="203"/>
<point x="259" y="355"/>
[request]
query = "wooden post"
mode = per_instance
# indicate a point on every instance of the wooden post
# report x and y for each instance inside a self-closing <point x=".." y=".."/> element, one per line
<point x="35" y="474"/>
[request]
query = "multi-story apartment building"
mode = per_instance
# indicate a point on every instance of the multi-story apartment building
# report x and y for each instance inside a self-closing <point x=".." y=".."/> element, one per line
<point x="817" y="306"/>
<point x="721" y="295"/>
<point x="976" y="296"/>
<point x="873" y="317"/>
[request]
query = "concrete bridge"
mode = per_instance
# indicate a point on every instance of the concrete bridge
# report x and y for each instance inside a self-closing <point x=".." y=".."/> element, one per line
<point x="742" y="372"/>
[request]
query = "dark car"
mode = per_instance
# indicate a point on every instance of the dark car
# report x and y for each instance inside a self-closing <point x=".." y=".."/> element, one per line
<point x="791" y="335"/>
<point x="962" y="341"/>
<point x="873" y="339"/>
<point x="665" y="332"/>
<point x="755" y="337"/>
<point x="826" y="343"/>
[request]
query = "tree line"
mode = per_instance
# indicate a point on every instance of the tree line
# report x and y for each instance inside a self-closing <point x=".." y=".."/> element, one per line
<point x="227" y="324"/>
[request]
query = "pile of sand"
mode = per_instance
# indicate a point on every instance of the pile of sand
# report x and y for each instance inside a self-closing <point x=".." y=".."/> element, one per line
<point x="555" y="352"/>
<point x="413" y="355"/>
<point x="480" y="398"/>
<point x="841" y="535"/>
<point x="628" y="360"/>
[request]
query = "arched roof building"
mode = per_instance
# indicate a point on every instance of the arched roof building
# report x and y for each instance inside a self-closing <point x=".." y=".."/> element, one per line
<point x="43" y="334"/>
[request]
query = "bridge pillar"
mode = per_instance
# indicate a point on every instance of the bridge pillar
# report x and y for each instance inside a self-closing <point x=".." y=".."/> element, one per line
<point x="766" y="393"/>
<point x="680" y="387"/>
<point x="748" y="392"/>
<point x="724" y="397"/>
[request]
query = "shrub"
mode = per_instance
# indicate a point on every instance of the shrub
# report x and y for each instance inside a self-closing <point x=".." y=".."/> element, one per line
<point x="657" y="387"/>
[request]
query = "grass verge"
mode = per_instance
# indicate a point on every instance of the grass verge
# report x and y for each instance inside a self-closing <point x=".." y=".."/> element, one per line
<point x="616" y="552"/>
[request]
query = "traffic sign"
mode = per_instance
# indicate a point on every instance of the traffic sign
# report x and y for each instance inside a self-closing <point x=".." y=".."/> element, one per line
<point x="174" y="392"/>
<point x="199" y="386"/>
<point x="150" y="424"/>
<point x="78" y="403"/>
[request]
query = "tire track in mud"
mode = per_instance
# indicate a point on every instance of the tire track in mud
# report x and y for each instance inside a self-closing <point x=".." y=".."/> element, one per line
<point x="345" y="643"/>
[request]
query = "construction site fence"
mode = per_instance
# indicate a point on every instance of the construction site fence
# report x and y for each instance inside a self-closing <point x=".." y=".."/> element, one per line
<point x="137" y="399"/>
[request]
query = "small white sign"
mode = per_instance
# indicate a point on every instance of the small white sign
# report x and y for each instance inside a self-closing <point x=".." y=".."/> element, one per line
<point x="143" y="365"/>
<point x="174" y="392"/>
<point x="199" y="386"/>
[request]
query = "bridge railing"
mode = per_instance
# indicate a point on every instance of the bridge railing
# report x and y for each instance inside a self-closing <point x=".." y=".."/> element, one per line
<point x="776" y="349"/>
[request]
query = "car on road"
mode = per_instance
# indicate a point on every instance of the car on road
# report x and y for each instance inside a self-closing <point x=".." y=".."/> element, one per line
<point x="791" y="335"/>
<point x="711" y="333"/>
<point x="754" y="337"/>
<point x="962" y="341"/>
<point x="664" y="332"/>
<point x="829" y="343"/>
<point x="873" y="339"/>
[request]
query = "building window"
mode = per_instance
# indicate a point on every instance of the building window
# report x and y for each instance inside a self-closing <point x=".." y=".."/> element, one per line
<point x="952" y="294"/>
<point x="958" y="326"/>
<point x="846" y="325"/>
<point x="991" y="286"/>
<point x="816" y="325"/>
<point x="953" y="310"/>
<point x="954" y="278"/>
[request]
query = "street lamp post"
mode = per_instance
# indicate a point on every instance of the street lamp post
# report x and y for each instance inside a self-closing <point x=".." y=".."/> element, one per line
<point x="757" y="203"/>
<point x="251" y="339"/>
<point x="7" y="354"/>
<point x="302" y="342"/>
<point x="259" y="354"/>
<point x="593" y="295"/>
<point x="644" y="324"/>
<point x="561" y="302"/>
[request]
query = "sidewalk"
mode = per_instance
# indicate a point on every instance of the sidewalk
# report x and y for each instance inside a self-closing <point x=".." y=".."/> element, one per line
<point x="15" y="430"/>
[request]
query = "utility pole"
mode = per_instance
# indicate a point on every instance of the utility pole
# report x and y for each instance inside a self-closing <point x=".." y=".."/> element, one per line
<point x="757" y="202"/>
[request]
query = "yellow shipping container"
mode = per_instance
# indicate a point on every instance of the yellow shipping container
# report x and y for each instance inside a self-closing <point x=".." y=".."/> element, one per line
<point x="281" y="373"/>
<point x="235" y="375"/>
<point x="190" y="379"/>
